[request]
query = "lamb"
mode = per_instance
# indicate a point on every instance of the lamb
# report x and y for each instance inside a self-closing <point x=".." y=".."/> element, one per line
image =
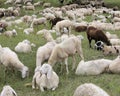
<point x="8" y="91"/>
<point x="10" y="33"/>
<point x="67" y="48"/>
<point x="111" y="36"/>
<point x="9" y="59"/>
<point x="45" y="78"/>
<point x="44" y="52"/>
<point x="92" y="67"/>
<point x="23" y="46"/>
<point x="111" y="50"/>
<point x="89" y="89"/>
<point x="114" y="67"/>
<point x="61" y="24"/>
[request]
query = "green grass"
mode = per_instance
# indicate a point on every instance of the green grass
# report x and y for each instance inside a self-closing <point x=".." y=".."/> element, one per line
<point x="68" y="83"/>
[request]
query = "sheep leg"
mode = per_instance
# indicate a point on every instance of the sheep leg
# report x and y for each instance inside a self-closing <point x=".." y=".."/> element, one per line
<point x="74" y="62"/>
<point x="66" y="63"/>
<point x="41" y="88"/>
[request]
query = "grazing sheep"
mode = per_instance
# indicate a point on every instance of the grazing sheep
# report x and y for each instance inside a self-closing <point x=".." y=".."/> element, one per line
<point x="61" y="24"/>
<point x="38" y="21"/>
<point x="10" y="60"/>
<point x="111" y="50"/>
<point x="89" y="89"/>
<point x="23" y="46"/>
<point x="97" y="35"/>
<point x="44" y="52"/>
<point x="45" y="5"/>
<point x="45" y="78"/>
<point x="114" y="67"/>
<point x="111" y="36"/>
<point x="67" y="48"/>
<point x="10" y="33"/>
<point x="92" y="67"/>
<point x="8" y="91"/>
<point x="54" y="21"/>
<point x="3" y="25"/>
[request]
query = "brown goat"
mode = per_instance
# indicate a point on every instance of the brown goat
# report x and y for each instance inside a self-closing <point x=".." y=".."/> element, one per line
<point x="97" y="35"/>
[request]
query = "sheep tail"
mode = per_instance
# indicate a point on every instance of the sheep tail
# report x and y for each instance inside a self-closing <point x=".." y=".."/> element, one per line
<point x="28" y="84"/>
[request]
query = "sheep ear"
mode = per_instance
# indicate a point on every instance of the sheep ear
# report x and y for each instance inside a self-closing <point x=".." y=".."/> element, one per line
<point x="49" y="74"/>
<point x="14" y="93"/>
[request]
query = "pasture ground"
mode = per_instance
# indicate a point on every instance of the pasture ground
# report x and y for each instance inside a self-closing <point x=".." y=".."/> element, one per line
<point x="68" y="83"/>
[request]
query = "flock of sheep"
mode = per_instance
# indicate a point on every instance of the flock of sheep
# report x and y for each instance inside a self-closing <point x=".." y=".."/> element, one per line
<point x="64" y="20"/>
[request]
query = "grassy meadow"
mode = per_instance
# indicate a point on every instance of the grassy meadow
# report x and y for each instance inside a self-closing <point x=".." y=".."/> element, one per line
<point x="68" y="83"/>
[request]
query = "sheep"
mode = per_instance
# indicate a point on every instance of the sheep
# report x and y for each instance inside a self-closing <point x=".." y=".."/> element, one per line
<point x="45" y="5"/>
<point x="44" y="52"/>
<point x="67" y="48"/>
<point x="28" y="30"/>
<point x="114" y="67"/>
<point x="111" y="50"/>
<point x="111" y="36"/>
<point x="9" y="59"/>
<point x="8" y="91"/>
<point x="46" y="78"/>
<point x="89" y="89"/>
<point x="115" y="41"/>
<point x="23" y="47"/>
<point x="30" y="7"/>
<point x="61" y="24"/>
<point x="92" y="67"/>
<point x="10" y="33"/>
<point x="38" y="21"/>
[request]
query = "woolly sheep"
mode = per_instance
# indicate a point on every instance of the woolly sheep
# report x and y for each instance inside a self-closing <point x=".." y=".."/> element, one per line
<point x="115" y="41"/>
<point x="92" y="67"/>
<point x="61" y="24"/>
<point x="108" y="50"/>
<point x="10" y="59"/>
<point x="10" y="33"/>
<point x="111" y="36"/>
<point x="8" y="91"/>
<point x="67" y="48"/>
<point x="23" y="46"/>
<point x="89" y="89"/>
<point x="114" y="67"/>
<point x="30" y="7"/>
<point x="28" y="30"/>
<point x="44" y="52"/>
<point x="38" y="21"/>
<point x="46" y="78"/>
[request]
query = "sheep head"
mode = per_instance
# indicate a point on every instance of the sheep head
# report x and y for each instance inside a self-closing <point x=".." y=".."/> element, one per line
<point x="25" y="72"/>
<point x="46" y="69"/>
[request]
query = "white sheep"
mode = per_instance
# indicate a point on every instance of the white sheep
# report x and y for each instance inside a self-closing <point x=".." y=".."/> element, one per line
<point x="10" y="60"/>
<point x="8" y="91"/>
<point x="27" y="31"/>
<point x="67" y="48"/>
<point x="115" y="41"/>
<point x="108" y="50"/>
<point x="38" y="21"/>
<point x="92" y="67"/>
<point x="44" y="52"/>
<point x="114" y="67"/>
<point x="45" y="78"/>
<point x="89" y="89"/>
<point x="61" y="24"/>
<point x="30" y="7"/>
<point x="24" y="46"/>
<point x="111" y="36"/>
<point x="10" y="33"/>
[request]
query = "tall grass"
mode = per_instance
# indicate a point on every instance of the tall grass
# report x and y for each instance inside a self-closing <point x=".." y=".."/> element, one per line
<point x="68" y="83"/>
